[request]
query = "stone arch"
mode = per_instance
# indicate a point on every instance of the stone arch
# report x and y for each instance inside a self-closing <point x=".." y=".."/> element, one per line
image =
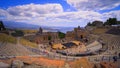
<point x="81" y="36"/>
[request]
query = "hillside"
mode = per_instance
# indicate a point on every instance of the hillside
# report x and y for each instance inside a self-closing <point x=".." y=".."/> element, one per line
<point x="19" y="25"/>
<point x="7" y="38"/>
<point x="99" y="30"/>
<point x="9" y="46"/>
<point x="28" y="43"/>
<point x="9" y="49"/>
<point x="10" y="39"/>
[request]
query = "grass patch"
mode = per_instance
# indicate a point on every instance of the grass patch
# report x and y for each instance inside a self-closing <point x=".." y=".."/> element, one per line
<point x="7" y="38"/>
<point x="29" y="31"/>
<point x="11" y="39"/>
<point x="28" y="43"/>
<point x="99" y="30"/>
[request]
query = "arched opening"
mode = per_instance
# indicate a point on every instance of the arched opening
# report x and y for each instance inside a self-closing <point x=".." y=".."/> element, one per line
<point x="81" y="36"/>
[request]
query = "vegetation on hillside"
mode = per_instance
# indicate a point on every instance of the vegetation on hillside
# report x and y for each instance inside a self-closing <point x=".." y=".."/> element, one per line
<point x="49" y="37"/>
<point x="28" y="43"/>
<point x="110" y="21"/>
<point x="18" y="33"/>
<point x="10" y="39"/>
<point x="29" y="31"/>
<point x="7" y="38"/>
<point x="61" y="35"/>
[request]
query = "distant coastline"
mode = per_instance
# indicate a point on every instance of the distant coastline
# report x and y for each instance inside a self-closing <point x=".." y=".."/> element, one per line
<point x="19" y="25"/>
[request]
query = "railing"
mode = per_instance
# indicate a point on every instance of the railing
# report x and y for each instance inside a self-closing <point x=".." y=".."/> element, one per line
<point x="51" y="55"/>
<point x="103" y="58"/>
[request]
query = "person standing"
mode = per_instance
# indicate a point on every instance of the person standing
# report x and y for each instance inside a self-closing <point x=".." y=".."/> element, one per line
<point x="115" y="58"/>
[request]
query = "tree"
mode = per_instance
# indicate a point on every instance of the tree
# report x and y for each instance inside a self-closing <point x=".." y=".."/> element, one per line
<point x="18" y="33"/>
<point x="2" y="26"/>
<point x="111" y="21"/>
<point x="49" y="37"/>
<point x="89" y="24"/>
<point x="118" y="22"/>
<point x="61" y="35"/>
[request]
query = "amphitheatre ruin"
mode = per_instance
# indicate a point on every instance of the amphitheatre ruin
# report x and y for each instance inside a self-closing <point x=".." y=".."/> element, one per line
<point x="95" y="46"/>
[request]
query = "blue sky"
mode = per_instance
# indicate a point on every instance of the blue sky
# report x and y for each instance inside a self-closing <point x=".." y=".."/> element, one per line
<point x="5" y="4"/>
<point x="58" y="12"/>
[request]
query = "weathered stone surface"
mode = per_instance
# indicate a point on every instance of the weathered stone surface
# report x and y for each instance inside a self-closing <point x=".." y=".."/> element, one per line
<point x="67" y="65"/>
<point x="97" y="66"/>
<point x="33" y="66"/>
<point x="108" y="65"/>
<point x="17" y="64"/>
<point x="4" y="65"/>
<point x="9" y="49"/>
<point x="77" y="34"/>
<point x="45" y="37"/>
<point x="81" y="63"/>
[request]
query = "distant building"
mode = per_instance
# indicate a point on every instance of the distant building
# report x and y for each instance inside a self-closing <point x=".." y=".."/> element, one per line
<point x="77" y="34"/>
<point x="45" y="37"/>
<point x="40" y="31"/>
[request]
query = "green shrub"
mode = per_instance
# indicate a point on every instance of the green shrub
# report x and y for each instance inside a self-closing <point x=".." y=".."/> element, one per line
<point x="61" y="35"/>
<point x="18" y="33"/>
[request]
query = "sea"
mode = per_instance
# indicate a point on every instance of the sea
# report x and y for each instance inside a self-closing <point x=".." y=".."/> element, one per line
<point x="61" y="29"/>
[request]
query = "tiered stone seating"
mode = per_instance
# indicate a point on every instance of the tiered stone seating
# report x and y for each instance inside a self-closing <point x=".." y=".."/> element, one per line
<point x="111" y="41"/>
<point x="113" y="44"/>
<point x="8" y="49"/>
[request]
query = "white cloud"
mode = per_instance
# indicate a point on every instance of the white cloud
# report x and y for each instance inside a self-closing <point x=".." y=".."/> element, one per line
<point x="95" y="5"/>
<point x="3" y="12"/>
<point x="112" y="14"/>
<point x="34" y="9"/>
<point x="52" y="15"/>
